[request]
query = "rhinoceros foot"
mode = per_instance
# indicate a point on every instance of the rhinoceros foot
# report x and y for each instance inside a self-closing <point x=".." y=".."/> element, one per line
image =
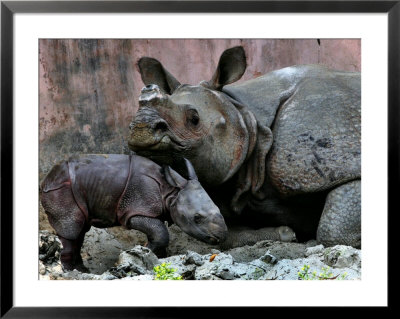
<point x="340" y="223"/>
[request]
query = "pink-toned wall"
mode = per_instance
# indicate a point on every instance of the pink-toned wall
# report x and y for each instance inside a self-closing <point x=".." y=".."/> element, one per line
<point x="89" y="88"/>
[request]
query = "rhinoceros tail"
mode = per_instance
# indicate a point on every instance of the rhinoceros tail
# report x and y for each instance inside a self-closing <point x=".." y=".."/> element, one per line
<point x="57" y="177"/>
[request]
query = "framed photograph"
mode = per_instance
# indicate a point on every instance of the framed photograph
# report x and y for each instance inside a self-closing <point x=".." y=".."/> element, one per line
<point x="102" y="77"/>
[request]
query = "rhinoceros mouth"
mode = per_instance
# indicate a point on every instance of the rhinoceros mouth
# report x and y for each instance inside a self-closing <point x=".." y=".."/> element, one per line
<point x="162" y="143"/>
<point x="212" y="238"/>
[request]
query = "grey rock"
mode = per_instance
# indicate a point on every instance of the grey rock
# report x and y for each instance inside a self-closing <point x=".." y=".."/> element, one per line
<point x="127" y="270"/>
<point x="100" y="250"/>
<point x="219" y="267"/>
<point x="106" y="276"/>
<point x="42" y="268"/>
<point x="314" y="250"/>
<point x="224" y="267"/>
<point x="49" y="247"/>
<point x="139" y="255"/>
<point x="193" y="258"/>
<point x="184" y="264"/>
<point x="225" y="274"/>
<point x="259" y="271"/>
<point x="140" y="277"/>
<point x="136" y="261"/>
<point x="342" y="256"/>
<point x="268" y="258"/>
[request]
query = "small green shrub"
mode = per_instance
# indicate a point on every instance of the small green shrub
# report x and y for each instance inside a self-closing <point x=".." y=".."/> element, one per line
<point x="305" y="274"/>
<point x="164" y="272"/>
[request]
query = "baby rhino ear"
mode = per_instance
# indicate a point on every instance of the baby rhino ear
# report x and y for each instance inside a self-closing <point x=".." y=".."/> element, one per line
<point x="190" y="170"/>
<point x="173" y="178"/>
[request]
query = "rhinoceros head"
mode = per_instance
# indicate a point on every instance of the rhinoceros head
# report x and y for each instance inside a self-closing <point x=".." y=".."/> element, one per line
<point x="192" y="209"/>
<point x="199" y="122"/>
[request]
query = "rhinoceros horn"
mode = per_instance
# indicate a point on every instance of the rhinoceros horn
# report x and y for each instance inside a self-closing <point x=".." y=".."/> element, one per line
<point x="190" y="169"/>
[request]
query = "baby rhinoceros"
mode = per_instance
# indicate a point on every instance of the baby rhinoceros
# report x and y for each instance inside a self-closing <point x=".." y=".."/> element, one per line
<point x="128" y="190"/>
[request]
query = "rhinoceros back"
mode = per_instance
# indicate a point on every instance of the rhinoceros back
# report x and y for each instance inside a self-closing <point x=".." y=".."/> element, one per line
<point x="264" y="95"/>
<point x="98" y="182"/>
<point x="142" y="195"/>
<point x="315" y="117"/>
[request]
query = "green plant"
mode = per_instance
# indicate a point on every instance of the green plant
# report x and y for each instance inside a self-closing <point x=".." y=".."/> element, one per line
<point x="342" y="276"/>
<point x="325" y="274"/>
<point x="164" y="272"/>
<point x="305" y="274"/>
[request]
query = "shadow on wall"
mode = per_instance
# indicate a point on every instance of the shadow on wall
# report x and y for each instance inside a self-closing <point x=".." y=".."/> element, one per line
<point x="89" y="88"/>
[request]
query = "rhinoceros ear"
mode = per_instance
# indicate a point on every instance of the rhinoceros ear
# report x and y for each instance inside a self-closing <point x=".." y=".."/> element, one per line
<point x="173" y="178"/>
<point x="153" y="72"/>
<point x="231" y="67"/>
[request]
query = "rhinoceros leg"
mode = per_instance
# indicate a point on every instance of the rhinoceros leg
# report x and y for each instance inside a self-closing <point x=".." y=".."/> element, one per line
<point x="71" y="253"/>
<point x="69" y="223"/>
<point x="340" y="223"/>
<point x="155" y="230"/>
<point x="242" y="237"/>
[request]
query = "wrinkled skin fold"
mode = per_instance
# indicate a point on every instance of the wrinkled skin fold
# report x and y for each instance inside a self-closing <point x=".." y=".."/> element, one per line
<point x="269" y="149"/>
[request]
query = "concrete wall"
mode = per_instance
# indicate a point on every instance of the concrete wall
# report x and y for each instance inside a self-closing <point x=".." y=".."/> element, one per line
<point x="89" y="88"/>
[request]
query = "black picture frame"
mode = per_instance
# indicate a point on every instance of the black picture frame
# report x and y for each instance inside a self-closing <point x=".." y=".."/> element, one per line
<point x="9" y="8"/>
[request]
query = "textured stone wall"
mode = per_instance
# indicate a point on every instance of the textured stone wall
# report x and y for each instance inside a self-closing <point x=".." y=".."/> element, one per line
<point x="88" y="89"/>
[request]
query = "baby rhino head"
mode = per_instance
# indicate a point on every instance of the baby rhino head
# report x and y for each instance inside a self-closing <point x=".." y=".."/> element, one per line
<point x="193" y="210"/>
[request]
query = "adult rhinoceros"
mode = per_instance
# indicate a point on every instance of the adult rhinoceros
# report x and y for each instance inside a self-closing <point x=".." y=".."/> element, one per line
<point x="281" y="149"/>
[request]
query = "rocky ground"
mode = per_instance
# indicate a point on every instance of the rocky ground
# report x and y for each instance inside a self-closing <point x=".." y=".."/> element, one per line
<point x="119" y="254"/>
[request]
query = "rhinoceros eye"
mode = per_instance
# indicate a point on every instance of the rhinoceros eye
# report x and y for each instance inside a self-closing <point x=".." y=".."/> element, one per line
<point x="195" y="120"/>
<point x="198" y="218"/>
<point x="193" y="117"/>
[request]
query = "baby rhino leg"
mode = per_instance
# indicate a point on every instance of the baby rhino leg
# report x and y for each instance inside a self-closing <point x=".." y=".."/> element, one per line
<point x="69" y="223"/>
<point x="156" y="231"/>
<point x="340" y="223"/>
<point x="71" y="253"/>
